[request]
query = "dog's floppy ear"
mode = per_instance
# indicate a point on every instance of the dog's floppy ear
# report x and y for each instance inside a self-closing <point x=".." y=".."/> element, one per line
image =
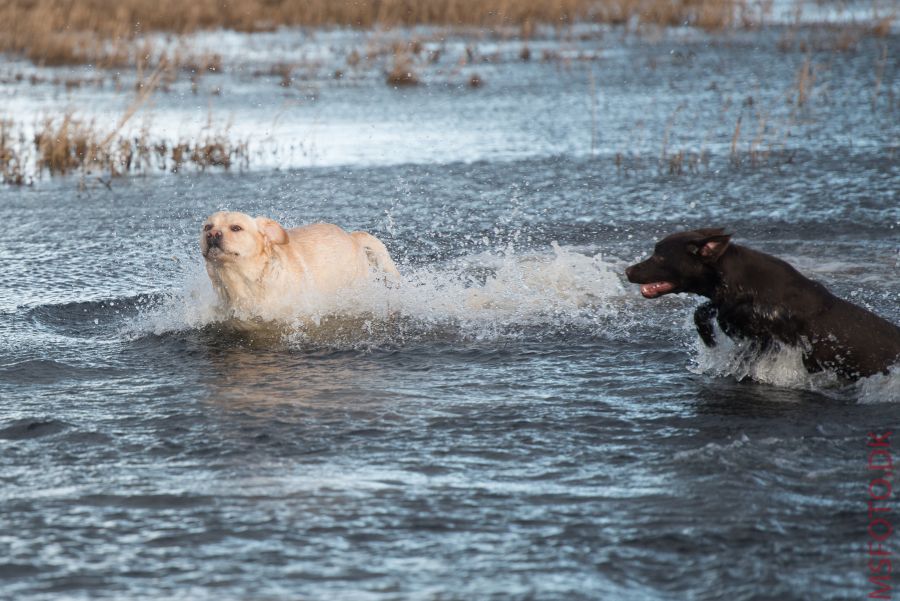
<point x="271" y="230"/>
<point x="710" y="245"/>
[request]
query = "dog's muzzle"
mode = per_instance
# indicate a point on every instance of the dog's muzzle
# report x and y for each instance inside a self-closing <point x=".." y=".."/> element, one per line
<point x="214" y="239"/>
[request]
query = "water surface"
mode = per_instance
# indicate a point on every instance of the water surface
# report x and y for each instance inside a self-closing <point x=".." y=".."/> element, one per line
<point x="514" y="421"/>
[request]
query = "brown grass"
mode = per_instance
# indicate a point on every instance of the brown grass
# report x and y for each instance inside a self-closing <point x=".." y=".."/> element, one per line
<point x="805" y="80"/>
<point x="64" y="146"/>
<point x="58" y="32"/>
<point x="686" y="161"/>
<point x="846" y="37"/>
<point x="882" y="26"/>
<point x="880" y="64"/>
<point x="401" y="73"/>
<point x="69" y="144"/>
<point x="735" y="138"/>
<point x="12" y="168"/>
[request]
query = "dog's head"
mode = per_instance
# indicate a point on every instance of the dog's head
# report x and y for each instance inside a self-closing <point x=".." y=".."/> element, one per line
<point x="682" y="262"/>
<point x="228" y="237"/>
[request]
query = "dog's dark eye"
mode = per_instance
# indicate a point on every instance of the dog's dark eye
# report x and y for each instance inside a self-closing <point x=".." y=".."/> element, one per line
<point x="236" y="228"/>
<point x="207" y="227"/>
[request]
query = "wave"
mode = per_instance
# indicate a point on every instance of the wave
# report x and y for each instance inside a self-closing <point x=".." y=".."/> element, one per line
<point x="24" y="429"/>
<point x="91" y="318"/>
<point x="48" y="371"/>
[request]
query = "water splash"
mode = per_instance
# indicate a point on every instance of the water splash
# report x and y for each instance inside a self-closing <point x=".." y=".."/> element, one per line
<point x="487" y="295"/>
<point x="880" y="388"/>
<point x="782" y="365"/>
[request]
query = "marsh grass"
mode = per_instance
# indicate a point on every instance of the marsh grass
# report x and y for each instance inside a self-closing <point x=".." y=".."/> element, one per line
<point x="880" y="65"/>
<point x="882" y="26"/>
<point x="104" y="32"/>
<point x="12" y="161"/>
<point x="402" y="72"/>
<point x="805" y="80"/>
<point x="285" y="73"/>
<point x="70" y="144"/>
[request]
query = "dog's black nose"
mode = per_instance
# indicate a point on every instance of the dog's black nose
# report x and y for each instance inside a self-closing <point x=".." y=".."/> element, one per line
<point x="628" y="272"/>
<point x="214" y="238"/>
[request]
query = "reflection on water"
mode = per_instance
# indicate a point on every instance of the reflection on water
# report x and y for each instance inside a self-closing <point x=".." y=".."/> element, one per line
<point x="248" y="377"/>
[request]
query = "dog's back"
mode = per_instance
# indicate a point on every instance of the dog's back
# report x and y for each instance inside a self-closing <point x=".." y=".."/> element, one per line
<point x="335" y="258"/>
<point x="376" y="253"/>
<point x="759" y="297"/>
<point x="794" y="309"/>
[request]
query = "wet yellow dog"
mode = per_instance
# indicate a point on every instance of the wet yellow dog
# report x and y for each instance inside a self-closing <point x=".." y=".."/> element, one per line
<point x="260" y="269"/>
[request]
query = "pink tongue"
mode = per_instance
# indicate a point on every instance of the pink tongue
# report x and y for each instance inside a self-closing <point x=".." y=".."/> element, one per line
<point x="656" y="288"/>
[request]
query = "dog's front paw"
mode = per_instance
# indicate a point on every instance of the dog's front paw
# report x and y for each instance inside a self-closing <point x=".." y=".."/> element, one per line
<point x="704" y="317"/>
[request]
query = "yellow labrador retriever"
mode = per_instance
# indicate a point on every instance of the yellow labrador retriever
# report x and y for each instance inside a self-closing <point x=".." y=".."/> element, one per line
<point x="258" y="268"/>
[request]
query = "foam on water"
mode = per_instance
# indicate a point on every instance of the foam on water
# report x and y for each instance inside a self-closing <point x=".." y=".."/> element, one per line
<point x="782" y="365"/>
<point x="497" y="294"/>
<point x="880" y="388"/>
<point x="482" y="296"/>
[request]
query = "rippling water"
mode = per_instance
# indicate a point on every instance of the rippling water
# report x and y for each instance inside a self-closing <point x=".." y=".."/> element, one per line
<point x="513" y="421"/>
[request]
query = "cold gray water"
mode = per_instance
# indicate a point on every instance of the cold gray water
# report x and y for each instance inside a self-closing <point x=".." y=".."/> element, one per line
<point x="514" y="421"/>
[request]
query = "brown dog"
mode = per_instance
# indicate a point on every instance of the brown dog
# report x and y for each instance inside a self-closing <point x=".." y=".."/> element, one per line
<point x="758" y="297"/>
<point x="260" y="269"/>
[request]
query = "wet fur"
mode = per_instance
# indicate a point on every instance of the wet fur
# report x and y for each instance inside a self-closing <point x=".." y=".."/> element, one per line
<point x="758" y="297"/>
<point x="260" y="269"/>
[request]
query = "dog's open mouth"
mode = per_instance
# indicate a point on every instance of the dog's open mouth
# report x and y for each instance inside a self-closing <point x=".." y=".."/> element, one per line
<point x="654" y="289"/>
<point x="216" y="252"/>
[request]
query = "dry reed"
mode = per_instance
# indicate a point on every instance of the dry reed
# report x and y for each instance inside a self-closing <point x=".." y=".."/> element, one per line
<point x="12" y="168"/>
<point x="806" y="79"/>
<point x="401" y="73"/>
<point x="735" y="138"/>
<point x="74" y="145"/>
<point x="71" y="144"/>
<point x="882" y="27"/>
<point x="58" y="32"/>
<point x="880" y="64"/>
